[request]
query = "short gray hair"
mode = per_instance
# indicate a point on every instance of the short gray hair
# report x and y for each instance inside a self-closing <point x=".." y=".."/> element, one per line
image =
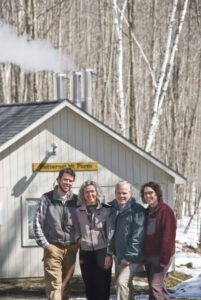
<point x="123" y="182"/>
<point x="97" y="188"/>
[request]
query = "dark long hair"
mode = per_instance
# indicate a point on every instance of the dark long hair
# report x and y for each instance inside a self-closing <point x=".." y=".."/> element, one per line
<point x="155" y="186"/>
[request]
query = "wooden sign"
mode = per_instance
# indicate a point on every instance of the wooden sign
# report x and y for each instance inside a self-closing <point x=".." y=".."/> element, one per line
<point x="55" y="167"/>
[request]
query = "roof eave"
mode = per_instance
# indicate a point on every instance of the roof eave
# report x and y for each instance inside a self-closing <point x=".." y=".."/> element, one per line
<point x="177" y="178"/>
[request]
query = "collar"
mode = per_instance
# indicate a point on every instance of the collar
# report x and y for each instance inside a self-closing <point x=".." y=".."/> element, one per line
<point x="83" y="206"/>
<point x="57" y="197"/>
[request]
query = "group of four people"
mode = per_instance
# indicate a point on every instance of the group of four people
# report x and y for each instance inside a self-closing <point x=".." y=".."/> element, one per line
<point x="121" y="230"/>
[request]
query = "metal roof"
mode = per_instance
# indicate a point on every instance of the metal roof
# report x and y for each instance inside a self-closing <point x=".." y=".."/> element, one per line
<point x="18" y="119"/>
<point x="14" y="118"/>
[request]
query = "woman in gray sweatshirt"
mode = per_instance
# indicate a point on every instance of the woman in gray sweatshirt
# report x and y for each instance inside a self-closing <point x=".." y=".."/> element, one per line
<point x="91" y="236"/>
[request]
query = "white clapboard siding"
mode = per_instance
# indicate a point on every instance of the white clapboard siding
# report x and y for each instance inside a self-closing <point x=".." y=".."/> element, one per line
<point x="4" y="227"/>
<point x="78" y="139"/>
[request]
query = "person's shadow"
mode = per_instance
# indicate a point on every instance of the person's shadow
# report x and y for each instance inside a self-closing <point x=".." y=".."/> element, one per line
<point x="24" y="182"/>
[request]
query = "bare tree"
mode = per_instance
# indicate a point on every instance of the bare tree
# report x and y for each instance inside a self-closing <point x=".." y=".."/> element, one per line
<point x="118" y="17"/>
<point x="143" y="74"/>
<point x="166" y="69"/>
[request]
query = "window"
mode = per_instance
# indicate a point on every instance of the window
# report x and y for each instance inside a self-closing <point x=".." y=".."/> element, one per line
<point x="29" y="206"/>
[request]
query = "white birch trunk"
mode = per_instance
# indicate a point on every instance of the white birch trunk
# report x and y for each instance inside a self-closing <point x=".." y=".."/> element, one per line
<point x="118" y="23"/>
<point x="165" y="73"/>
<point x="143" y="54"/>
<point x="7" y="83"/>
<point x="172" y="56"/>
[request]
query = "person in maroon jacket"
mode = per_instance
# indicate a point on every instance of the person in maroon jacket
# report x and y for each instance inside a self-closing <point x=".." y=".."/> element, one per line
<point x="159" y="240"/>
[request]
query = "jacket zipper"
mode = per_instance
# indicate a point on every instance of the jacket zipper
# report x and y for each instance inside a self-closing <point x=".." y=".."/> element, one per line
<point x="90" y="228"/>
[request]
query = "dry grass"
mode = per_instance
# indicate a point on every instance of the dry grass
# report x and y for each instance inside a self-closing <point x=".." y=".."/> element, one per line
<point x="173" y="279"/>
<point x="37" y="284"/>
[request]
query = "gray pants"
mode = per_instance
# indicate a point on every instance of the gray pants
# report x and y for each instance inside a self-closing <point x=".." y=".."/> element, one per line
<point x="156" y="278"/>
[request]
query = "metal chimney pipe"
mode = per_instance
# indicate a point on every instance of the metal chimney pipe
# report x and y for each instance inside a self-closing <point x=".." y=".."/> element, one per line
<point x="87" y="90"/>
<point x="60" y="77"/>
<point x="76" y="88"/>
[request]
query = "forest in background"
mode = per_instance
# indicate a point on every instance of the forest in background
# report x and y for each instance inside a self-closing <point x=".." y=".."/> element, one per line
<point x="85" y="30"/>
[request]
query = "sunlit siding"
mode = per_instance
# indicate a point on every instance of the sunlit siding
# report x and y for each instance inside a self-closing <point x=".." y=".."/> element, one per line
<point x="78" y="140"/>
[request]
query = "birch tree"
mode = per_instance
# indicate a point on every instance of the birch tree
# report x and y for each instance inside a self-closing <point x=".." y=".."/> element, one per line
<point x="118" y="16"/>
<point x="171" y="47"/>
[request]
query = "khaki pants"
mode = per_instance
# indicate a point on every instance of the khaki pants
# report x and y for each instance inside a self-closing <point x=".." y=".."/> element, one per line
<point x="124" y="278"/>
<point x="57" y="262"/>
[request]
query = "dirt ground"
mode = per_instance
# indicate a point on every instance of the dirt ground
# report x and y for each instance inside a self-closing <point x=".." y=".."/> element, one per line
<point x="34" y="288"/>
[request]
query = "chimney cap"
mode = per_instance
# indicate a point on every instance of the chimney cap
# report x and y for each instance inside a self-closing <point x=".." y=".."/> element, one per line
<point x="61" y="75"/>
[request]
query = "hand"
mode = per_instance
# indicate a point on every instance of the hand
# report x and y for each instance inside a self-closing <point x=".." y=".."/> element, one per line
<point x="108" y="262"/>
<point x="162" y="265"/>
<point x="48" y="247"/>
<point x="79" y="241"/>
<point x="124" y="263"/>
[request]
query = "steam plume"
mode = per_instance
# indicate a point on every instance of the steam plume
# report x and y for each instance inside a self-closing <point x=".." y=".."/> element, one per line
<point x="31" y="56"/>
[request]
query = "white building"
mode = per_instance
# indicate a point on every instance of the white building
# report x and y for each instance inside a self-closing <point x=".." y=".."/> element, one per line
<point x="59" y="132"/>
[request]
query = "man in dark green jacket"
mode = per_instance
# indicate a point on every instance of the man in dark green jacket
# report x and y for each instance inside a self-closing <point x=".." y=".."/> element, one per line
<point x="125" y="236"/>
